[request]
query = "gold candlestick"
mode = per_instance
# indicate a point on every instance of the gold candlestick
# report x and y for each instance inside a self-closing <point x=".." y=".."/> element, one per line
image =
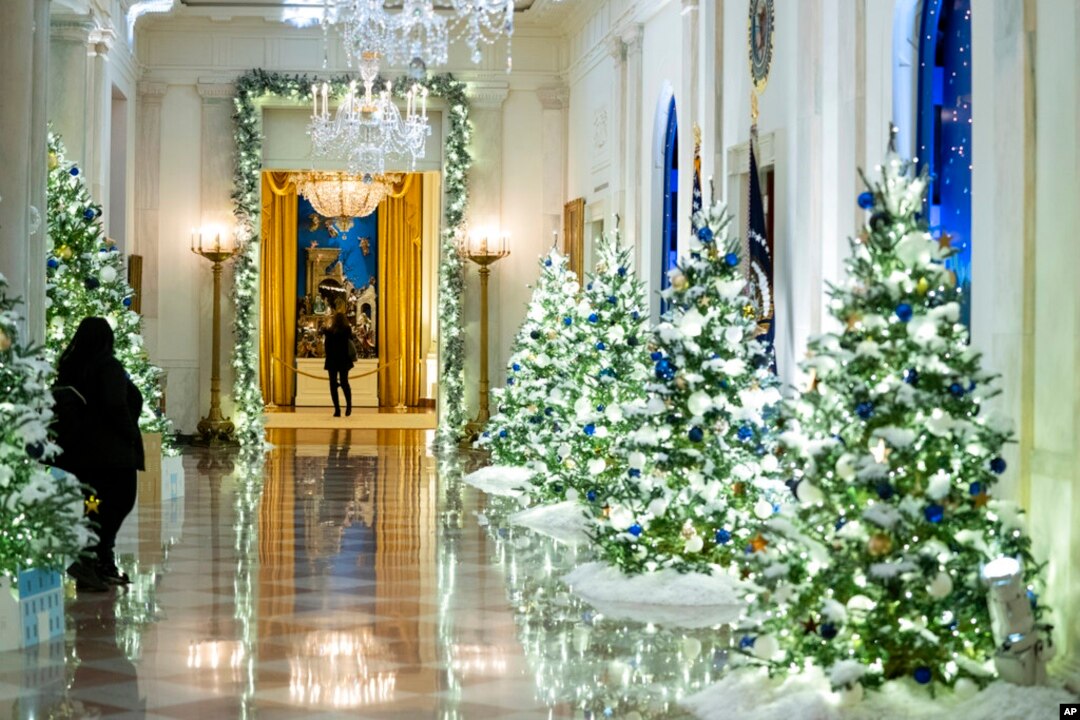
<point x="485" y="253"/>
<point x="215" y="428"/>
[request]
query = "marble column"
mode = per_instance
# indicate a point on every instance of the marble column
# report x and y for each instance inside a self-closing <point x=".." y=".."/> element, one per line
<point x="617" y="190"/>
<point x="147" y="199"/>
<point x="631" y="147"/>
<point x="485" y="210"/>
<point x="690" y="116"/>
<point x="67" y="89"/>
<point x="39" y="169"/>
<point x="554" y="102"/>
<point x="16" y="118"/>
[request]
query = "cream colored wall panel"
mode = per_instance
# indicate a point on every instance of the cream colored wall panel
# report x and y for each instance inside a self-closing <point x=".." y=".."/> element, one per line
<point x="244" y="52"/>
<point x="297" y="52"/>
<point x="165" y="49"/>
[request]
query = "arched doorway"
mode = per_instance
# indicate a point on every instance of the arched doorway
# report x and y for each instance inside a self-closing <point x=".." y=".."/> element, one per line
<point x="943" y="136"/>
<point x="669" y="253"/>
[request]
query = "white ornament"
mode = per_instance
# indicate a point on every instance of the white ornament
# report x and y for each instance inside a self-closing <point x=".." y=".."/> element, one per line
<point x="808" y="493"/>
<point x="699" y="403"/>
<point x="597" y="466"/>
<point x="694" y="543"/>
<point x="766" y="647"/>
<point x="845" y="467"/>
<point x="763" y="509"/>
<point x="850" y="695"/>
<point x="691" y="323"/>
<point x="108" y="274"/>
<point x="614" y="413"/>
<point x="621" y="517"/>
<point x="940" y="586"/>
<point x="571" y="494"/>
<point x="939" y="485"/>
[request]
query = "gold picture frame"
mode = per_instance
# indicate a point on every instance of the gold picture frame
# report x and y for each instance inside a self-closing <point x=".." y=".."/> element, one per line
<point x="574" y="236"/>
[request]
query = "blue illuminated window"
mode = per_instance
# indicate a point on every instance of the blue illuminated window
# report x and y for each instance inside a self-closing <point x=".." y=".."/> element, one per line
<point x="944" y="128"/>
<point x="670" y="238"/>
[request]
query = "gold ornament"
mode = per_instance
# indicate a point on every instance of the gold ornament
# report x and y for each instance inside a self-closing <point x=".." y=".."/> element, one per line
<point x="879" y="544"/>
<point x="92" y="504"/>
<point x="748" y="311"/>
<point x="688" y="531"/>
<point x="945" y="241"/>
<point x="679" y="281"/>
<point x="923" y="286"/>
<point x="881" y="452"/>
<point x="5" y="341"/>
<point x="758" y="543"/>
<point x="680" y="382"/>
<point x="551" y="335"/>
<point x="65" y="252"/>
<point x="981" y="499"/>
<point x="738" y="488"/>
<point x="54" y="162"/>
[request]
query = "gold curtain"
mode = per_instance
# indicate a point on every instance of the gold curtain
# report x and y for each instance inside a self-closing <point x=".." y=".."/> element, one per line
<point x="400" y="225"/>
<point x="277" y="287"/>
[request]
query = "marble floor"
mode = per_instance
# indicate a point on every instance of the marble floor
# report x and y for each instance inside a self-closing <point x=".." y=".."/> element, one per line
<point x="347" y="574"/>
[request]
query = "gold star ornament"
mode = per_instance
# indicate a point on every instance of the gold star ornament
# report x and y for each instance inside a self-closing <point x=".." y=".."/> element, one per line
<point x="92" y="504"/>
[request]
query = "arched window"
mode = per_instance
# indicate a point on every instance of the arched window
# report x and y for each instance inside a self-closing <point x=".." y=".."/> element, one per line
<point x="943" y="135"/>
<point x="670" y="236"/>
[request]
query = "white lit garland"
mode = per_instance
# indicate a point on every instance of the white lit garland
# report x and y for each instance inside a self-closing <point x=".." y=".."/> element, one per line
<point x="259" y="84"/>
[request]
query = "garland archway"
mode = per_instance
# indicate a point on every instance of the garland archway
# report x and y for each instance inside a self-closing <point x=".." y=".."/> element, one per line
<point x="257" y="85"/>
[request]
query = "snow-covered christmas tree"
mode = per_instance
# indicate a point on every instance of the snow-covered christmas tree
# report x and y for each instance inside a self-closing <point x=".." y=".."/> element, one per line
<point x="531" y="409"/>
<point x="893" y="456"/>
<point x="86" y="278"/>
<point x="689" y="497"/>
<point x="41" y="516"/>
<point x="609" y="369"/>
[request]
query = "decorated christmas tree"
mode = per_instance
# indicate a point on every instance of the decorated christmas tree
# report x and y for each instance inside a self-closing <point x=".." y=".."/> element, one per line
<point x="689" y="496"/>
<point x="532" y="408"/>
<point x="893" y="457"/>
<point x="609" y="370"/>
<point x="85" y="275"/>
<point x="41" y="515"/>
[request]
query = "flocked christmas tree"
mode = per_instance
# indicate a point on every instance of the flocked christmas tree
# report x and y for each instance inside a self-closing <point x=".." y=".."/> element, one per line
<point x="86" y="278"/>
<point x="41" y="516"/>
<point x="689" y="495"/>
<point x="893" y="457"/>
<point x="609" y="369"/>
<point x="531" y="409"/>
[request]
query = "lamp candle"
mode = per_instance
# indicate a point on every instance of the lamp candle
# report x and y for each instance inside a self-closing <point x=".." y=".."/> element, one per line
<point x="315" y="100"/>
<point x="325" y="97"/>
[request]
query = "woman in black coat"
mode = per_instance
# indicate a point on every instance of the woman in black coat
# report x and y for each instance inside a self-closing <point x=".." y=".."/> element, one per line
<point x="339" y="359"/>
<point x="105" y="451"/>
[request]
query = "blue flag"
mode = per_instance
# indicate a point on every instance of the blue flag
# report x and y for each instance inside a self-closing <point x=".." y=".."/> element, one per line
<point x="761" y="261"/>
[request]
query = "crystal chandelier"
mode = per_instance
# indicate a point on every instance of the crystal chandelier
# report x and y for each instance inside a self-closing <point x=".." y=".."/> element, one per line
<point x="418" y="35"/>
<point x="343" y="196"/>
<point x="367" y="127"/>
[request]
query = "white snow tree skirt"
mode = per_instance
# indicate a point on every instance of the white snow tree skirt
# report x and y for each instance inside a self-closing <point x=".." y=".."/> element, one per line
<point x="749" y="694"/>
<point x="563" y="522"/>
<point x="666" y="597"/>
<point x="500" y="480"/>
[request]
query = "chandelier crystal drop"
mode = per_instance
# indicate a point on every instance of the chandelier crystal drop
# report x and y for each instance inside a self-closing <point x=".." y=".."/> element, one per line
<point x="344" y="196"/>
<point x="367" y="127"/>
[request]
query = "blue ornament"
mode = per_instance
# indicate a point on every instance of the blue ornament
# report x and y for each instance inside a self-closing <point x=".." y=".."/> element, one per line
<point x="591" y="496"/>
<point x="589" y="286"/>
<point x="632" y="341"/>
<point x="535" y="334"/>
<point x="705" y="235"/>
<point x="975" y="488"/>
<point x="74" y="171"/>
<point x="665" y="370"/>
<point x="829" y="631"/>
<point x="723" y="537"/>
<point x="884" y="490"/>
<point x="865" y="410"/>
<point x="656" y="355"/>
<point x="547" y="262"/>
<point x="696" y="434"/>
<point x="957" y="390"/>
<point x="593" y="317"/>
<point x="91" y="283"/>
<point x="622" y="272"/>
<point x="502" y="433"/>
<point x="746" y="642"/>
<point x="568" y="321"/>
<point x="923" y="675"/>
<point x="485" y="434"/>
<point x="840" y="522"/>
<point x="866" y="200"/>
<point x="548" y="411"/>
<point x="1032" y="598"/>
<point x="53" y="263"/>
<point x="113" y="248"/>
<point x="634" y="472"/>
<point x="745" y="432"/>
<point x="515" y="367"/>
<point x="126" y="301"/>
<point x="88" y="214"/>
<point x="731" y="259"/>
<point x="904" y="312"/>
<point x="509" y="381"/>
<point x="612" y="299"/>
<point x="725" y="384"/>
<point x="590" y="429"/>
<point x="998" y="465"/>
<point x="635" y="315"/>
<point x="911" y="376"/>
<point x="634" y="530"/>
<point x="35" y="450"/>
<point x="601" y="346"/>
<point x="934" y="513"/>
<point x="600" y="407"/>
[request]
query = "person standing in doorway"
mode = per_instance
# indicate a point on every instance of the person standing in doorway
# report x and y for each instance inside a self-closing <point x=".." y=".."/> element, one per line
<point x="98" y="410"/>
<point x="340" y="355"/>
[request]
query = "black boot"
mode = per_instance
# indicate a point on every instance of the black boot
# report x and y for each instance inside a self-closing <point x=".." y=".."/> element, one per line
<point x="86" y="576"/>
<point x="348" y="399"/>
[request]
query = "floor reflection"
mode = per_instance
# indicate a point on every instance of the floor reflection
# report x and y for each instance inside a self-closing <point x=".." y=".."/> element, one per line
<point x="344" y="574"/>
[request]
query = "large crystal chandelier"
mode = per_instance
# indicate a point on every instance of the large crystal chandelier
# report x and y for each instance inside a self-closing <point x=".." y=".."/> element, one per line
<point x="418" y="35"/>
<point x="367" y="127"/>
<point x="342" y="196"/>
